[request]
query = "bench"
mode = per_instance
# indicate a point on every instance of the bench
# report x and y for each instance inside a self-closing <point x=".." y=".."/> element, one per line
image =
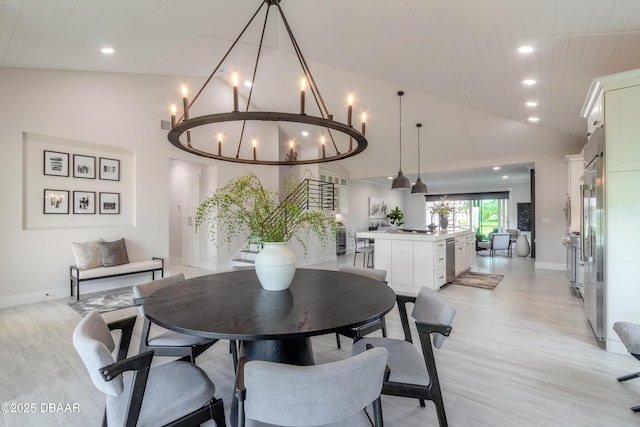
<point x="78" y="275"/>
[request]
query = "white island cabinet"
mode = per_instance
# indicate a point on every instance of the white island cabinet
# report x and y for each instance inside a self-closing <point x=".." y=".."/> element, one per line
<point x="413" y="260"/>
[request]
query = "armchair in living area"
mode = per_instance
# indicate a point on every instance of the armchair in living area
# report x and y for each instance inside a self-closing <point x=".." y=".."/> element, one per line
<point x="496" y="242"/>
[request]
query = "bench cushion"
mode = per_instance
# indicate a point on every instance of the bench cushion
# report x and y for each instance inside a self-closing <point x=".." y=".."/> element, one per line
<point x="131" y="267"/>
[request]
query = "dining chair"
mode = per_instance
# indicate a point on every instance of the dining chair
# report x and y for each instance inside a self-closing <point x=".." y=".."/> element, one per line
<point x="163" y="341"/>
<point x="174" y="393"/>
<point x="413" y="374"/>
<point x="364" y="247"/>
<point x="335" y="394"/>
<point x="358" y="332"/>
<point x="629" y="334"/>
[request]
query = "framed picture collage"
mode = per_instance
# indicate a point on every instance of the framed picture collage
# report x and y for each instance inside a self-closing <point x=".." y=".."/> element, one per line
<point x="82" y="167"/>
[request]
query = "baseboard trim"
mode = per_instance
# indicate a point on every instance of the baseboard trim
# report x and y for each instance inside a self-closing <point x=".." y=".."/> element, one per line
<point x="31" y="297"/>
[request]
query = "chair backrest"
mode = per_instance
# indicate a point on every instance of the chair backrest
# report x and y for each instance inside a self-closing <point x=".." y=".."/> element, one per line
<point x="289" y="395"/>
<point x="146" y="289"/>
<point x="94" y="343"/>
<point x="501" y="241"/>
<point x="372" y="273"/>
<point x="513" y="232"/>
<point x="432" y="308"/>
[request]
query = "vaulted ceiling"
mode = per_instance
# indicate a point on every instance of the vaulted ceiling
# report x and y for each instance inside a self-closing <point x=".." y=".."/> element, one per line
<point x="457" y="61"/>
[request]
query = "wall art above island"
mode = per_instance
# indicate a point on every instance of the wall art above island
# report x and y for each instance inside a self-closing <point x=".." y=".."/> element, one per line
<point x="378" y="208"/>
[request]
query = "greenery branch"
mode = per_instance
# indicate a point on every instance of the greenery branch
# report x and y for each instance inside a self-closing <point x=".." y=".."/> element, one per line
<point x="443" y="207"/>
<point x="243" y="208"/>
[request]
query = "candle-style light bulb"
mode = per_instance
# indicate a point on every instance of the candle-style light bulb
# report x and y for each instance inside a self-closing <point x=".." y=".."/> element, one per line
<point x="219" y="144"/>
<point x="255" y="143"/>
<point x="234" y="79"/>
<point x="349" y="109"/>
<point x="303" y="85"/>
<point x="185" y="102"/>
<point x="364" y="122"/>
<point x="174" y="109"/>
<point x="324" y="154"/>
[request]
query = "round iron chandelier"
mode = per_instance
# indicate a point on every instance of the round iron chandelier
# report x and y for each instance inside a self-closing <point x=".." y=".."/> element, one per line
<point x="338" y="141"/>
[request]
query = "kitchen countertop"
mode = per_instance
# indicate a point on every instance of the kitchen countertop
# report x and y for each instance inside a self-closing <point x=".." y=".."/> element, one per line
<point x="412" y="235"/>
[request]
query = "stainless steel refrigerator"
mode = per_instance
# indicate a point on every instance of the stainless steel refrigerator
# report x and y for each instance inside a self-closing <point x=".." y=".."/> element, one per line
<point x="593" y="233"/>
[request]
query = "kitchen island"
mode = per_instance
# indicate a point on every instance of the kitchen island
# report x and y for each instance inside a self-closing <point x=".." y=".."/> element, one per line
<point x="414" y="258"/>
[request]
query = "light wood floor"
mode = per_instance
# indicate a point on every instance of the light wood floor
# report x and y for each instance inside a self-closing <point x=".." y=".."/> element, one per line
<point x="520" y="355"/>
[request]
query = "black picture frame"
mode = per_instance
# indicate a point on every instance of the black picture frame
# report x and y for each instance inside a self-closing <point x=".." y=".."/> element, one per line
<point x="55" y="202"/>
<point x="109" y="169"/>
<point x="524" y="216"/>
<point x="84" y="202"/>
<point x="109" y="203"/>
<point x="56" y="163"/>
<point x="84" y="166"/>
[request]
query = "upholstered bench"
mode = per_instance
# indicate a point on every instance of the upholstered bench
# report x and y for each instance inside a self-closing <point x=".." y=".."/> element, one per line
<point x="99" y="260"/>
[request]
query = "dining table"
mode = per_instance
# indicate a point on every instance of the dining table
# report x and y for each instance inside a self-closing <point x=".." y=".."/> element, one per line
<point x="270" y="325"/>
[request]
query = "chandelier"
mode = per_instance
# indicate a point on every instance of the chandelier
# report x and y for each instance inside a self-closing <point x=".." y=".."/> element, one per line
<point x="337" y="141"/>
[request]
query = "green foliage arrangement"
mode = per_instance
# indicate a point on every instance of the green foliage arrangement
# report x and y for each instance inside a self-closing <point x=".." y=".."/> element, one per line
<point x="243" y="208"/>
<point x="443" y="207"/>
<point x="396" y="217"/>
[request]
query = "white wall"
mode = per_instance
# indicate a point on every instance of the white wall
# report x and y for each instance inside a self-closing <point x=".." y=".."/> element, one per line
<point x="359" y="193"/>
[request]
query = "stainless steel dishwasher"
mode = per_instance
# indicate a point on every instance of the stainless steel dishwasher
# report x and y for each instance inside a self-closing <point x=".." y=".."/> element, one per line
<point x="451" y="260"/>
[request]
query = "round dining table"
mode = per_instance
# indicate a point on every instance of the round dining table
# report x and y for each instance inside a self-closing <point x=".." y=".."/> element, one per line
<point x="271" y="325"/>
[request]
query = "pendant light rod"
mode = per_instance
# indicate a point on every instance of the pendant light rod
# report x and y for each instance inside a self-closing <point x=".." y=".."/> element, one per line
<point x="400" y="182"/>
<point x="419" y="186"/>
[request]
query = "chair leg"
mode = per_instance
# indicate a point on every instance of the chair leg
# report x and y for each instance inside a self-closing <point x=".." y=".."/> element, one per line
<point x="338" y="340"/>
<point x="217" y="413"/>
<point x="442" y="415"/>
<point x="628" y="377"/>
<point x="421" y="403"/>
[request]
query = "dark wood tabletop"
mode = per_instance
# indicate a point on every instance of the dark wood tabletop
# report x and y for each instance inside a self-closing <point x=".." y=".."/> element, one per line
<point x="234" y="306"/>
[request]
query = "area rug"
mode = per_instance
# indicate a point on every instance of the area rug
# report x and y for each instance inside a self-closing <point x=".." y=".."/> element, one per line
<point x="479" y="280"/>
<point x="103" y="303"/>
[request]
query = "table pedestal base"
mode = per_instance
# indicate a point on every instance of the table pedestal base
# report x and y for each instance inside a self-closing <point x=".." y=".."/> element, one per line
<point x="297" y="351"/>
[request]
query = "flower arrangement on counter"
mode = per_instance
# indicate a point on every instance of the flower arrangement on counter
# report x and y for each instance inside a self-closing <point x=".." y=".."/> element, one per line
<point x="444" y="207"/>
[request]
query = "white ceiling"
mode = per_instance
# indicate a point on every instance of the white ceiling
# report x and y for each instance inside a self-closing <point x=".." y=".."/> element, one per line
<point x="457" y="60"/>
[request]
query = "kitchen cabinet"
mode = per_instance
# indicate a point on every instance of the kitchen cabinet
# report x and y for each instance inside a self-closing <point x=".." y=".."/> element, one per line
<point x="414" y="260"/>
<point x="575" y="170"/>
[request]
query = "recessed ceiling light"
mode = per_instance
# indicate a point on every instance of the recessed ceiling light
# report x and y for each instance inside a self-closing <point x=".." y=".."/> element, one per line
<point x="505" y="176"/>
<point x="247" y="83"/>
<point x="525" y="49"/>
<point x="389" y="177"/>
<point x="496" y="168"/>
<point x="107" y="50"/>
<point x="529" y="82"/>
<point x="533" y="119"/>
<point x="531" y="104"/>
<point x="305" y="133"/>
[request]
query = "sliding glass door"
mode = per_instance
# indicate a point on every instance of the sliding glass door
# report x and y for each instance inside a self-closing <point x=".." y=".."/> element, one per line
<point x="482" y="212"/>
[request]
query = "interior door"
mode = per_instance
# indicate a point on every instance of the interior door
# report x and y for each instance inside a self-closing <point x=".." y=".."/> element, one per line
<point x="190" y="201"/>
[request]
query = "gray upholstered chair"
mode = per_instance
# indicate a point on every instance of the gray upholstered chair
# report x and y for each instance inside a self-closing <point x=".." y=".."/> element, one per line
<point x="335" y="394"/>
<point x="364" y="247"/>
<point x="138" y="395"/>
<point x="496" y="242"/>
<point x="163" y="341"/>
<point x="413" y="374"/>
<point x="629" y="334"/>
<point x="360" y="331"/>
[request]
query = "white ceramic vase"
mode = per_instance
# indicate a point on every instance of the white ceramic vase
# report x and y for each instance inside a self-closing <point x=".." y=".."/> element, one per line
<point x="522" y="245"/>
<point x="275" y="266"/>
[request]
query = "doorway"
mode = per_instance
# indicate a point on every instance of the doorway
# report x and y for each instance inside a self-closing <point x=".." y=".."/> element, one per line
<point x="185" y="195"/>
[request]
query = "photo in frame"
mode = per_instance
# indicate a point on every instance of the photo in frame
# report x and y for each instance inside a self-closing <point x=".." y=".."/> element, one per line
<point x="84" y="166"/>
<point x="378" y="208"/>
<point x="109" y="169"/>
<point x="56" y="202"/>
<point x="109" y="203"/>
<point x="56" y="163"/>
<point x="84" y="202"/>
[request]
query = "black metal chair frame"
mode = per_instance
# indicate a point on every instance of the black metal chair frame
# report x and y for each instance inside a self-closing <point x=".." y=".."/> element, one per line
<point x="140" y="365"/>
<point x="433" y="391"/>
<point x="630" y="377"/>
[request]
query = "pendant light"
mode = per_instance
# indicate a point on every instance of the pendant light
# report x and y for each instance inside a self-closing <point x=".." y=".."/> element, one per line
<point x="419" y="186"/>
<point x="400" y="182"/>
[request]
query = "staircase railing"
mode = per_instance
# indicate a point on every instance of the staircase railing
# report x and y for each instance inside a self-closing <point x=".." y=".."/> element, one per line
<point x="308" y="194"/>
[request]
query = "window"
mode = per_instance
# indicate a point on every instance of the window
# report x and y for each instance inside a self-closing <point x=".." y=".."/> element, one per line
<point x="482" y="212"/>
